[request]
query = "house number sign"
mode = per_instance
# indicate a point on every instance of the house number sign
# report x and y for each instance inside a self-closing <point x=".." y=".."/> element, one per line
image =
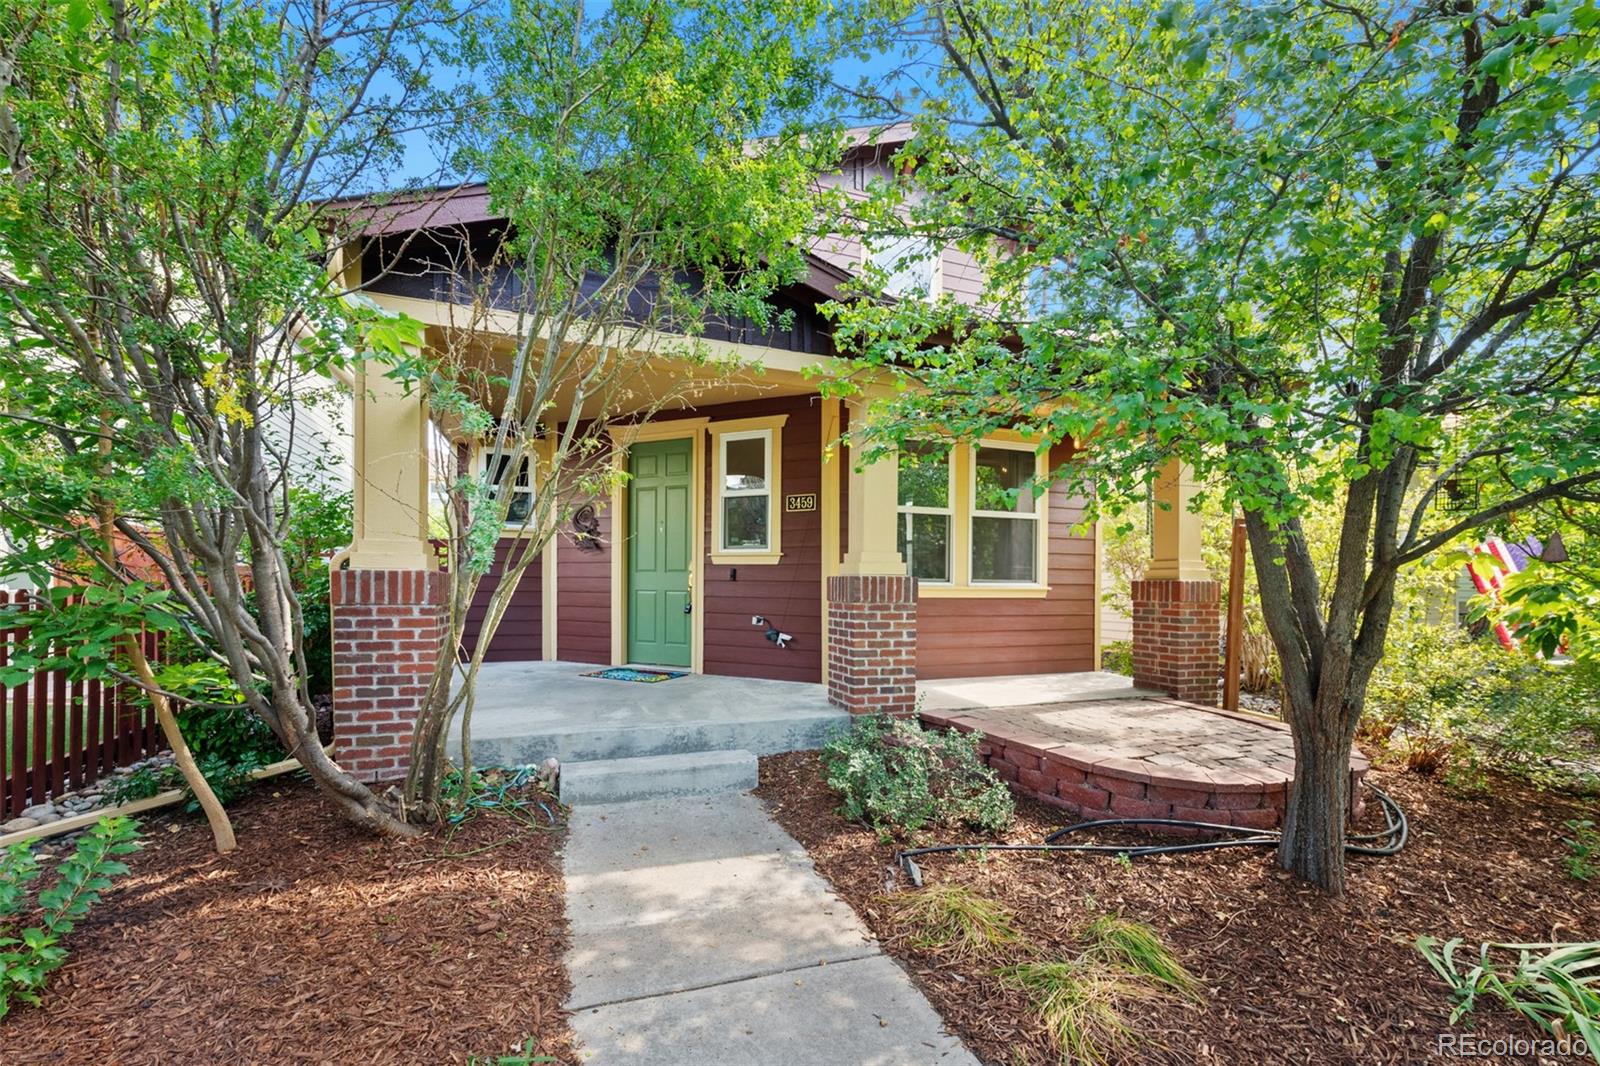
<point x="800" y="501"/>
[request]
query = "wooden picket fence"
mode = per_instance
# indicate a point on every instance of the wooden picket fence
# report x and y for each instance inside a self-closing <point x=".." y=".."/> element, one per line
<point x="62" y="734"/>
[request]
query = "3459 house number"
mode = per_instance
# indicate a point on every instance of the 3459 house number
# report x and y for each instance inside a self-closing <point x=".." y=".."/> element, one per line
<point x="800" y="501"/>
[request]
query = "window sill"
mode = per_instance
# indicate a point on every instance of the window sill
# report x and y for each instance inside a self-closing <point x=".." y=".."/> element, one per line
<point x="745" y="558"/>
<point x="982" y="592"/>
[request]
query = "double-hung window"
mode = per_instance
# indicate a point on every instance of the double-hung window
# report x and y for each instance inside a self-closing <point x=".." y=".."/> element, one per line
<point x="927" y="509"/>
<point x="746" y="490"/>
<point x="746" y="482"/>
<point x="495" y="467"/>
<point x="1005" y="514"/>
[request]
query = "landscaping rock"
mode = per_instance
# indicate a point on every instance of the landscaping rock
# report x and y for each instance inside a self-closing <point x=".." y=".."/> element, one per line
<point x="17" y="825"/>
<point x="40" y="811"/>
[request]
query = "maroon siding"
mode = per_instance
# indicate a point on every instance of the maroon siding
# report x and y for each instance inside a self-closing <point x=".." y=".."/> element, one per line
<point x="789" y="592"/>
<point x="1020" y="636"/>
<point x="520" y="637"/>
<point x="583" y="596"/>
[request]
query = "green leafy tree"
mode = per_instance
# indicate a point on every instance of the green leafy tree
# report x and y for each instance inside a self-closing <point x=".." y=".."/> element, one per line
<point x="1326" y="253"/>
<point x="620" y="145"/>
<point x="166" y="292"/>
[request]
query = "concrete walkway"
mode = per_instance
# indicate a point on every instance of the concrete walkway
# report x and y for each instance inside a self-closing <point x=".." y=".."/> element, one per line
<point x="702" y="934"/>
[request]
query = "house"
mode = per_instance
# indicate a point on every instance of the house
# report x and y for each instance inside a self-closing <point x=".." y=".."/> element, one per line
<point x="769" y="551"/>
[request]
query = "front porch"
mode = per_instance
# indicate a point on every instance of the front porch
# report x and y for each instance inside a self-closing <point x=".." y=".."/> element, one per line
<point x="1087" y="741"/>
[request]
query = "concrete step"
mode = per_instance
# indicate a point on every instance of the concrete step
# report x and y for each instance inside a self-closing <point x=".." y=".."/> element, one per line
<point x="696" y="773"/>
<point x="749" y="729"/>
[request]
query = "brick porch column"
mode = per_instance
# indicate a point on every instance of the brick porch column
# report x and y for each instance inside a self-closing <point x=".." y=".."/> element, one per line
<point x="387" y="626"/>
<point x="872" y="643"/>
<point x="1176" y="625"/>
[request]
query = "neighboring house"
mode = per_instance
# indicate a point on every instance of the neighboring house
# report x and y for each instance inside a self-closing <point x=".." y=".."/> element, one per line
<point x="920" y="566"/>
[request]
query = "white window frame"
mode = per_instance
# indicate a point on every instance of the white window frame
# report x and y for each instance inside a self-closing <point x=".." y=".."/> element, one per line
<point x="1037" y="515"/>
<point x="934" y="261"/>
<point x="527" y="469"/>
<point x="905" y="511"/>
<point x="770" y="430"/>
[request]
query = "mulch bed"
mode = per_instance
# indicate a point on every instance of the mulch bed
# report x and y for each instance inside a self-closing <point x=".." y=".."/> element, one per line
<point x="313" y="942"/>
<point x="1291" y="976"/>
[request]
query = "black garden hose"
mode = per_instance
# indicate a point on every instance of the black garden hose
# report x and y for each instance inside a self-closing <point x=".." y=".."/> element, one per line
<point x="1387" y="841"/>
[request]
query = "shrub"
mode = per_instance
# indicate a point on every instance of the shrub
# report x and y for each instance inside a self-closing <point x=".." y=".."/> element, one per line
<point x="28" y="959"/>
<point x="900" y="778"/>
<point x="1117" y="657"/>
<point x="1443" y="702"/>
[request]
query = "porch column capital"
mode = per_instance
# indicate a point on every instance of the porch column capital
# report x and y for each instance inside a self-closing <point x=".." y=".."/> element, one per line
<point x="872" y="547"/>
<point x="1175" y="530"/>
<point x="390" y="478"/>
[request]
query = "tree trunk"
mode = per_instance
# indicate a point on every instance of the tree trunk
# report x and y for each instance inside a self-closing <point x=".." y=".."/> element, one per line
<point x="1312" y="847"/>
<point x="216" y="817"/>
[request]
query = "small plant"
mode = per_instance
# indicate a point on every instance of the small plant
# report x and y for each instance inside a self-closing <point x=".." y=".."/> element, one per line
<point x="1583" y="860"/>
<point x="954" y="917"/>
<point x="900" y="778"/>
<point x="1081" y="1000"/>
<point x="1080" y="1003"/>
<point x="523" y="1056"/>
<point x="1137" y="948"/>
<point x="1555" y="986"/>
<point x="28" y="959"/>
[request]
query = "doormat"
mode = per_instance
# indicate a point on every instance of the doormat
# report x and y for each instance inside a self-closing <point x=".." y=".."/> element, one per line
<point x="625" y="673"/>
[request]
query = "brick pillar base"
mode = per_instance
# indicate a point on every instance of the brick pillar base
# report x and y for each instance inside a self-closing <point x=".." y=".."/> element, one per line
<point x="1176" y="626"/>
<point x="387" y="625"/>
<point x="872" y="644"/>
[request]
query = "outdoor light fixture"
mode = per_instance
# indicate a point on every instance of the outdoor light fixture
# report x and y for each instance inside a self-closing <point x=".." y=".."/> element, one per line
<point x="1554" y="550"/>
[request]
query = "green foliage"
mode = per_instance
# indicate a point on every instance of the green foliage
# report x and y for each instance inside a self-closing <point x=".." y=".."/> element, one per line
<point x="1550" y="608"/>
<point x="1117" y="657"/>
<point x="82" y="630"/>
<point x="1443" y="701"/>
<point x="1555" y="986"/>
<point x="522" y="1057"/>
<point x="1081" y="1000"/>
<point x="900" y="778"/>
<point x="955" y="919"/>
<point x="1583" y="848"/>
<point x="29" y="956"/>
<point x="1138" y="949"/>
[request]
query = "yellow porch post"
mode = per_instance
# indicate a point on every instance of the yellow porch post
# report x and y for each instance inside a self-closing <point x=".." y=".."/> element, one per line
<point x="872" y="547"/>
<point x="1175" y="530"/>
<point x="391" y="475"/>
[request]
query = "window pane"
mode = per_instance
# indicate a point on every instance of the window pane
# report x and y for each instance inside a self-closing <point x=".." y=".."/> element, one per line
<point x="906" y="265"/>
<point x="924" y="474"/>
<point x="744" y="463"/>
<point x="744" y="522"/>
<point x="1003" y="549"/>
<point x="1004" y="479"/>
<point x="521" y="507"/>
<point x="927" y="548"/>
<point x="522" y="497"/>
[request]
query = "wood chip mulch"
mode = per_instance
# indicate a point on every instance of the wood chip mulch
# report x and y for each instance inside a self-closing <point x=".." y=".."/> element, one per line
<point x="1291" y="976"/>
<point x="313" y="942"/>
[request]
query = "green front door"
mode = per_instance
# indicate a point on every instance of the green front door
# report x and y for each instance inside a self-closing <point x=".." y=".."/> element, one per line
<point x="659" y="498"/>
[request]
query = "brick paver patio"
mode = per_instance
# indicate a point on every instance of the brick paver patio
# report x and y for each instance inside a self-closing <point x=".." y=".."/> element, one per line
<point x="1142" y="757"/>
